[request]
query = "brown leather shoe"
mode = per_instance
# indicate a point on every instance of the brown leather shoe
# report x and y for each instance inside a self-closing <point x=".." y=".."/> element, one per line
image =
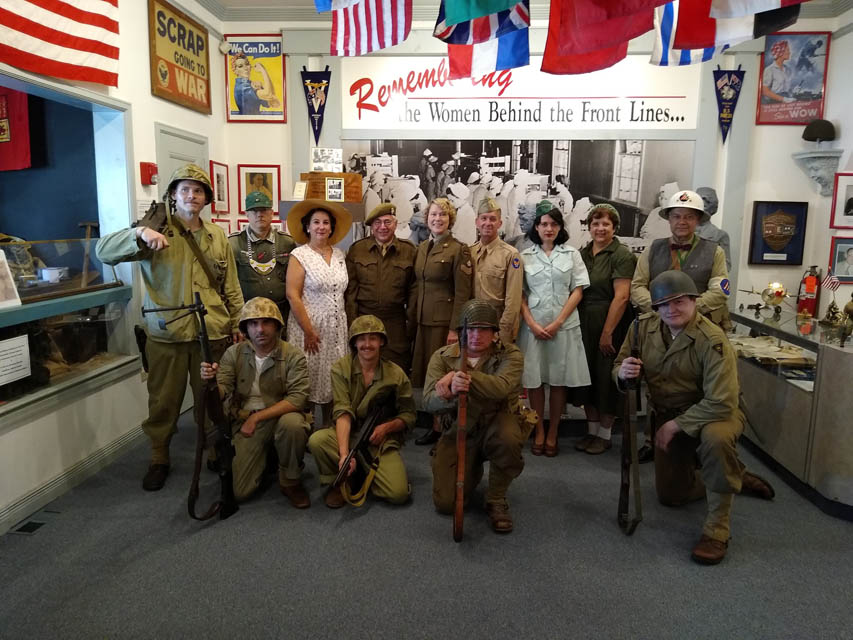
<point x="551" y="450"/>
<point x="646" y="454"/>
<point x="756" y="486"/>
<point x="584" y="442"/>
<point x="598" y="445"/>
<point x="155" y="477"/>
<point x="499" y="517"/>
<point x="709" y="551"/>
<point x="297" y="495"/>
<point x="334" y="498"/>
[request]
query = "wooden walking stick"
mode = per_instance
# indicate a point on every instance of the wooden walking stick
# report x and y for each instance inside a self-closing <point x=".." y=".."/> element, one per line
<point x="461" y="436"/>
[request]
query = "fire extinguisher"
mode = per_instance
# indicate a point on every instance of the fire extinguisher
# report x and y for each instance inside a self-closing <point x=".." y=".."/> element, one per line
<point x="809" y="293"/>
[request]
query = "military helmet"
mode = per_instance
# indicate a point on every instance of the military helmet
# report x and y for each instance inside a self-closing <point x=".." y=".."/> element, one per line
<point x="366" y="324"/>
<point x="258" y="308"/>
<point x="258" y="200"/>
<point x="671" y="285"/>
<point x="478" y="313"/>
<point x="190" y="171"/>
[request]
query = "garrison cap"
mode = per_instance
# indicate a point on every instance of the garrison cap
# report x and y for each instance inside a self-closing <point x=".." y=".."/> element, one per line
<point x="478" y="313"/>
<point x="384" y="209"/>
<point x="543" y="207"/>
<point x="488" y="204"/>
<point x="670" y="285"/>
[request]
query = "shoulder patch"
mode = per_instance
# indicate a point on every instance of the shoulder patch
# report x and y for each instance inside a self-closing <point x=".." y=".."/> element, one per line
<point x="516" y="262"/>
<point x="725" y="285"/>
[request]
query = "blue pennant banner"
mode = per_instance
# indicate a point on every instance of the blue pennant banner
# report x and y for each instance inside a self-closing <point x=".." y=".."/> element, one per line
<point x="316" y="85"/>
<point x="727" y="86"/>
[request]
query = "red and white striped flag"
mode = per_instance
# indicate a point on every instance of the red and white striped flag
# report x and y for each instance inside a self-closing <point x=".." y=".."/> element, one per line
<point x="70" y="39"/>
<point x="370" y="25"/>
<point x="831" y="282"/>
<point x="739" y="8"/>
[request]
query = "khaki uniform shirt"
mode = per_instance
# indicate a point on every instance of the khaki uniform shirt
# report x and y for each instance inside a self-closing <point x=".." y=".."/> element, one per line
<point x="352" y="397"/>
<point x="696" y="372"/>
<point x="714" y="298"/>
<point x="173" y="275"/>
<point x="284" y="375"/>
<point x="498" y="279"/>
<point x="495" y="382"/>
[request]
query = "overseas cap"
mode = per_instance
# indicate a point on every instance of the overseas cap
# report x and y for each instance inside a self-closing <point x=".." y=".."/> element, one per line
<point x="685" y="200"/>
<point x="258" y="200"/>
<point x="190" y="171"/>
<point x="488" y="204"/>
<point x="604" y="208"/>
<point x="671" y="285"/>
<point x="543" y="207"/>
<point x="366" y="324"/>
<point x="384" y="209"/>
<point x="259" y="308"/>
<point x="478" y="313"/>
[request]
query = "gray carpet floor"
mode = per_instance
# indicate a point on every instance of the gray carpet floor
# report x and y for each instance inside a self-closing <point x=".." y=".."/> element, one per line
<point x="112" y="561"/>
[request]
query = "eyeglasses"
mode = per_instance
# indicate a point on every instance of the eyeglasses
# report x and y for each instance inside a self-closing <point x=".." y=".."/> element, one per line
<point x="383" y="222"/>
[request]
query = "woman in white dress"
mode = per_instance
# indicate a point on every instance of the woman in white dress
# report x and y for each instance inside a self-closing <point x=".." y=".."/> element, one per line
<point x="316" y="282"/>
<point x="550" y="337"/>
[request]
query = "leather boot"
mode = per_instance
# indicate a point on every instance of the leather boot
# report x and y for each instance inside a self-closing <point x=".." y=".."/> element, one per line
<point x="499" y="517"/>
<point x="155" y="477"/>
<point x="756" y="486"/>
<point x="334" y="498"/>
<point x="297" y="495"/>
<point x="709" y="551"/>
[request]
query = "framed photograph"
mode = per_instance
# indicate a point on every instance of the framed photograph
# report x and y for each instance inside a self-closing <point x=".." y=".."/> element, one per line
<point x="254" y="79"/>
<point x="778" y="232"/>
<point x="222" y="223"/>
<point x="842" y="202"/>
<point x="327" y="159"/>
<point x="841" y="259"/>
<point x="265" y="178"/>
<point x="221" y="190"/>
<point x="792" y="84"/>
<point x="335" y="189"/>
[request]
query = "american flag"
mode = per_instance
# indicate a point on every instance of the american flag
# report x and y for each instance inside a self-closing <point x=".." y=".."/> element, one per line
<point x="830" y="281"/>
<point x="485" y="28"/>
<point x="370" y="25"/>
<point x="69" y="39"/>
<point x="663" y="52"/>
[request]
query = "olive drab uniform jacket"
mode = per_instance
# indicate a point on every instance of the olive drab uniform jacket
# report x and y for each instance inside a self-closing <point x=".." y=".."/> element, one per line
<point x="173" y="275"/>
<point x="693" y="375"/>
<point x="259" y="279"/>
<point x="444" y="271"/>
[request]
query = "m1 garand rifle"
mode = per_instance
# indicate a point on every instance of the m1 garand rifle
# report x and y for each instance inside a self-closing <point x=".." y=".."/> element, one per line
<point x="461" y="437"/>
<point x="383" y="408"/>
<point x="211" y="406"/>
<point x="629" y="456"/>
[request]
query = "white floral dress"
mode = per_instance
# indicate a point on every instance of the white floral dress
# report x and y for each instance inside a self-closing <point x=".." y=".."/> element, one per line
<point x="323" y="297"/>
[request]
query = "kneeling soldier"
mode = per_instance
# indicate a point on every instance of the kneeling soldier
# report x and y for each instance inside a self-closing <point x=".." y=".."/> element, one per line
<point x="360" y="380"/>
<point x="264" y="383"/>
<point x="496" y="430"/>
<point x="691" y="372"/>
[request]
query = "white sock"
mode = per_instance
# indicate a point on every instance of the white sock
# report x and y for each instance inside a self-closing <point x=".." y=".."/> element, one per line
<point x="594" y="427"/>
<point x="604" y="433"/>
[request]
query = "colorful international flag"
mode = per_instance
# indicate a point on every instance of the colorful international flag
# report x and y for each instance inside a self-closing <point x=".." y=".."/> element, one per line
<point x="323" y="5"/>
<point x="664" y="54"/>
<point x="575" y="38"/>
<point x="697" y="30"/>
<point x="370" y="25"/>
<point x="575" y="63"/>
<point x="595" y="11"/>
<point x="457" y="11"/>
<point x="475" y="60"/>
<point x="484" y="28"/>
<point x="70" y="40"/>
<point x="740" y="8"/>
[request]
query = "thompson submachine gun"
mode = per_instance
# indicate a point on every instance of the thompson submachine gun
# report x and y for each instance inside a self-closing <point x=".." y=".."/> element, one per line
<point x="629" y="456"/>
<point x="383" y="408"/>
<point x="211" y="406"/>
<point x="461" y="436"/>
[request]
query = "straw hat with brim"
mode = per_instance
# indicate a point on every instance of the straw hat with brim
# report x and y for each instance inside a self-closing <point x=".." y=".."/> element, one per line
<point x="343" y="219"/>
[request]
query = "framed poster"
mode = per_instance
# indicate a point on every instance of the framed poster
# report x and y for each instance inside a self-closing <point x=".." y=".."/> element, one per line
<point x="842" y="202"/>
<point x="178" y="56"/>
<point x="254" y="79"/>
<point x="792" y="85"/>
<point x="841" y="259"/>
<point x="221" y="191"/>
<point x="778" y="232"/>
<point x="265" y="178"/>
<point x="222" y="223"/>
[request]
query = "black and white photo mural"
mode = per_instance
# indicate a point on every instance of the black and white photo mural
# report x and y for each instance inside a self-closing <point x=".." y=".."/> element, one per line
<point x="635" y="176"/>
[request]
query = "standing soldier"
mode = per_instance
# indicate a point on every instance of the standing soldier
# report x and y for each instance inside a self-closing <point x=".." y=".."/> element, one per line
<point x="264" y="383"/>
<point x="693" y="388"/>
<point x="496" y="429"/>
<point x="381" y="272"/>
<point x="262" y="254"/>
<point x="498" y="276"/>
<point x="186" y="255"/>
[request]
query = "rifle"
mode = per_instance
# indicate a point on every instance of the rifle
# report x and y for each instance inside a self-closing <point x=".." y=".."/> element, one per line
<point x="461" y="436"/>
<point x="211" y="405"/>
<point x="629" y="462"/>
<point x="383" y="407"/>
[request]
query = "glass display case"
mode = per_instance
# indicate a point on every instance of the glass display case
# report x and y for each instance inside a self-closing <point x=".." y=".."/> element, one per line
<point x="795" y="391"/>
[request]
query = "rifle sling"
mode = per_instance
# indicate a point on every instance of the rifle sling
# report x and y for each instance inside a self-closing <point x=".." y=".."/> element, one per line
<point x="357" y="499"/>
<point x="192" y="498"/>
<point x="187" y="235"/>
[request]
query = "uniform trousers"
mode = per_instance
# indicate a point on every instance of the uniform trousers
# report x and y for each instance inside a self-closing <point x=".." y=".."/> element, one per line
<point x="496" y="438"/>
<point x="390" y="483"/>
<point x="169" y="363"/>
<point x="290" y="436"/>
<point x="717" y="476"/>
